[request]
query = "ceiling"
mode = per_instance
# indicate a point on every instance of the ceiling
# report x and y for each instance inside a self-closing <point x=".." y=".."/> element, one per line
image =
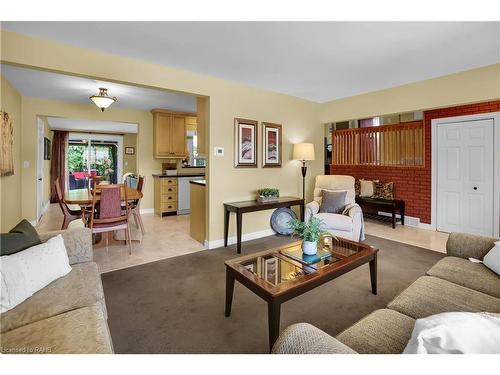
<point x="55" y="86"/>
<point x="319" y="61"/>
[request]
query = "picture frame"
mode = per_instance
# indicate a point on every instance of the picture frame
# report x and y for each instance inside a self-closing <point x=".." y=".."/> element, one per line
<point x="6" y="145"/>
<point x="129" y="150"/>
<point x="272" y="149"/>
<point x="46" y="148"/>
<point x="245" y="143"/>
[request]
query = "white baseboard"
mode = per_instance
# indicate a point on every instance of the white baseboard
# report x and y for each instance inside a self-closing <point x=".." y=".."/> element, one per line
<point x="246" y="237"/>
<point x="147" y="210"/>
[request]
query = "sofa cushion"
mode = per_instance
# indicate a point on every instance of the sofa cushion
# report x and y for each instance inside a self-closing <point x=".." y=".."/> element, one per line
<point x="78" y="331"/>
<point x="335" y="221"/>
<point x="382" y="332"/>
<point x="22" y="236"/>
<point x="430" y="295"/>
<point x="79" y="288"/>
<point x="471" y="275"/>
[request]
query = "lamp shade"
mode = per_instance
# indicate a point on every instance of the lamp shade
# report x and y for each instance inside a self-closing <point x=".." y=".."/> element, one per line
<point x="303" y="151"/>
<point x="102" y="100"/>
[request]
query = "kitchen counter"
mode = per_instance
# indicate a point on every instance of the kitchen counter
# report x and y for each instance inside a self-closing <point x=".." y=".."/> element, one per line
<point x="199" y="182"/>
<point x="179" y="175"/>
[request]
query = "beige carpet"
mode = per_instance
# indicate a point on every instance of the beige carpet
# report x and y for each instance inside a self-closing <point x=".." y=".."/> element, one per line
<point x="176" y="305"/>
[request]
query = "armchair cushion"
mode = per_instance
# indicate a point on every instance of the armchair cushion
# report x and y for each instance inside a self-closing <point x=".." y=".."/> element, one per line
<point x="335" y="221"/>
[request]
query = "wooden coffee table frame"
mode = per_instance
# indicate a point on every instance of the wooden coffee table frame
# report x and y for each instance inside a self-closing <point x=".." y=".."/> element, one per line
<point x="275" y="295"/>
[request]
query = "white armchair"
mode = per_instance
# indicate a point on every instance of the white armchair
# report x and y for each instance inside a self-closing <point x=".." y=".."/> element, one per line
<point x="347" y="225"/>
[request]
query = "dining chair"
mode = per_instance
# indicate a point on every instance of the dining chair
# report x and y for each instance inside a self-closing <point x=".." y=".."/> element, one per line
<point x="134" y="206"/>
<point x="108" y="214"/>
<point x="69" y="214"/>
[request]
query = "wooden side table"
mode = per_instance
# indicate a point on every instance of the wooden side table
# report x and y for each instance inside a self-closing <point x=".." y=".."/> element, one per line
<point x="252" y="206"/>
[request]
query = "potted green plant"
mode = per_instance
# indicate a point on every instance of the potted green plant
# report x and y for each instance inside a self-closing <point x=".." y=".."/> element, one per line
<point x="267" y="195"/>
<point x="310" y="233"/>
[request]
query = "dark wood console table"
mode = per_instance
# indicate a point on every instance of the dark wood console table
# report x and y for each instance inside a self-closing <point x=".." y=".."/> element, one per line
<point x="252" y="206"/>
<point x="371" y="206"/>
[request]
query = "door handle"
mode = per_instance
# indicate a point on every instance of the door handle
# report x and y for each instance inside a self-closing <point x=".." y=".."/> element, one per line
<point x="40" y="179"/>
<point x="475" y="187"/>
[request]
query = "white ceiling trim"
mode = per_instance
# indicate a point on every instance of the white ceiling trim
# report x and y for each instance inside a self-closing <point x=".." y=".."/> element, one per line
<point x="91" y="126"/>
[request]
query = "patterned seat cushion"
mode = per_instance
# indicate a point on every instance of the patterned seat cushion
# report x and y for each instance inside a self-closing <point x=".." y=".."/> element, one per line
<point x="79" y="288"/>
<point x="430" y="295"/>
<point x="82" y="331"/>
<point x="471" y="275"/>
<point x="382" y="332"/>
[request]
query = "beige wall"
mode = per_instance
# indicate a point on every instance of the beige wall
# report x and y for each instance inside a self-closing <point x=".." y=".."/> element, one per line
<point x="466" y="87"/>
<point x="10" y="194"/>
<point x="33" y="107"/>
<point x="130" y="161"/>
<point x="300" y="118"/>
<point x="227" y="100"/>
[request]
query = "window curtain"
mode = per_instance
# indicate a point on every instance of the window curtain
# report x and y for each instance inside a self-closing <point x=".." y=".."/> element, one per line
<point x="58" y="162"/>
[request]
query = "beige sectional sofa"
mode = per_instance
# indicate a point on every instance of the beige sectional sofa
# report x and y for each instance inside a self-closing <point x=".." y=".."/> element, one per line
<point x="68" y="315"/>
<point x="452" y="284"/>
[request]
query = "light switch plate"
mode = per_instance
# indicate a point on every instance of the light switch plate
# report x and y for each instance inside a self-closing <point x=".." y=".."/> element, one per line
<point x="26" y="164"/>
<point x="219" y="151"/>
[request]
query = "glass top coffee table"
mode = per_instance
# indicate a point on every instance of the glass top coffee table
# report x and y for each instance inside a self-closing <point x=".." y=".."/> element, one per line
<point x="277" y="277"/>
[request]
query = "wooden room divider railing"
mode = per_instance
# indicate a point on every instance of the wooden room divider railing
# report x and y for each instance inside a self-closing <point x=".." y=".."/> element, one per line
<point x="389" y="145"/>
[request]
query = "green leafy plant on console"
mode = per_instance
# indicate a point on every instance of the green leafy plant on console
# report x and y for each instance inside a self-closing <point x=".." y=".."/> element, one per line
<point x="268" y="193"/>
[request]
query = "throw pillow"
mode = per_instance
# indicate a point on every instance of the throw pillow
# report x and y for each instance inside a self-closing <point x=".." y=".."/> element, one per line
<point x="383" y="190"/>
<point x="454" y="333"/>
<point x="28" y="271"/>
<point x="332" y="202"/>
<point x="22" y="236"/>
<point x="366" y="188"/>
<point x="357" y="188"/>
<point x="492" y="259"/>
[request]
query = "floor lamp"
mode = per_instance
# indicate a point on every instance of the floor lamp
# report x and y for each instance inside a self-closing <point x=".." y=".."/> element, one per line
<point x="303" y="152"/>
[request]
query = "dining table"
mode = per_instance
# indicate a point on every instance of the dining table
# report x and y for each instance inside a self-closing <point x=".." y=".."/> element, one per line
<point x="83" y="197"/>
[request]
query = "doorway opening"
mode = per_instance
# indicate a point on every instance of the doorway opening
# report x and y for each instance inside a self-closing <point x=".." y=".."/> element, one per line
<point x="94" y="156"/>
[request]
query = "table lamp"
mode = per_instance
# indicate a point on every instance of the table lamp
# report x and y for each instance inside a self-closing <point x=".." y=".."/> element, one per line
<point x="303" y="152"/>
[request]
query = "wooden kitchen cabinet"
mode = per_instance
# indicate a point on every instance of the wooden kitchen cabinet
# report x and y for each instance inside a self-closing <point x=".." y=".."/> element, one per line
<point x="169" y="133"/>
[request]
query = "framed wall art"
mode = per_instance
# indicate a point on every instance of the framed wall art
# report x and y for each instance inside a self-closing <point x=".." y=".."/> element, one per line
<point x="272" y="145"/>
<point x="6" y="143"/>
<point x="46" y="148"/>
<point x="245" y="139"/>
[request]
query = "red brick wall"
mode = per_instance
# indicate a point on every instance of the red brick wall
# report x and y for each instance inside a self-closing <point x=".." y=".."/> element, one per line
<point x="413" y="184"/>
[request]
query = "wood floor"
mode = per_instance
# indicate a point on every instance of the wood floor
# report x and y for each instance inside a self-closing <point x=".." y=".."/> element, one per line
<point x="169" y="237"/>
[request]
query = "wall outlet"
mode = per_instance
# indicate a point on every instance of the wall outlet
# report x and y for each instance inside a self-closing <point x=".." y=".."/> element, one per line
<point x="26" y="164"/>
<point x="219" y="151"/>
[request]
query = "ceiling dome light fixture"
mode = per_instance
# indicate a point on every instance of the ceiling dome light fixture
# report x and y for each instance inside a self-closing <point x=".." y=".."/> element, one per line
<point x="102" y="100"/>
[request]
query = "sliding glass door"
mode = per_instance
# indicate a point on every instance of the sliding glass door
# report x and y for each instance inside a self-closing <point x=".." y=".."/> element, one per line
<point x="94" y="155"/>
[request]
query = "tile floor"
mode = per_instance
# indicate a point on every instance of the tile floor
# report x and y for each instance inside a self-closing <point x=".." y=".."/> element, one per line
<point x="164" y="238"/>
<point x="169" y="237"/>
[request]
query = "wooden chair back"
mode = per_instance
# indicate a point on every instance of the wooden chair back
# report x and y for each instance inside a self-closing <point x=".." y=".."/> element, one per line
<point x="109" y="206"/>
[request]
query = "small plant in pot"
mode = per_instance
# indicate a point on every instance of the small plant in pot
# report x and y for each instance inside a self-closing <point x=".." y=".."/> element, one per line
<point x="268" y="195"/>
<point x="310" y="233"/>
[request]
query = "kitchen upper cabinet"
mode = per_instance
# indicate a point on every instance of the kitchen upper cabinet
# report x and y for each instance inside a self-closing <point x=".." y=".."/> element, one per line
<point x="169" y="133"/>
